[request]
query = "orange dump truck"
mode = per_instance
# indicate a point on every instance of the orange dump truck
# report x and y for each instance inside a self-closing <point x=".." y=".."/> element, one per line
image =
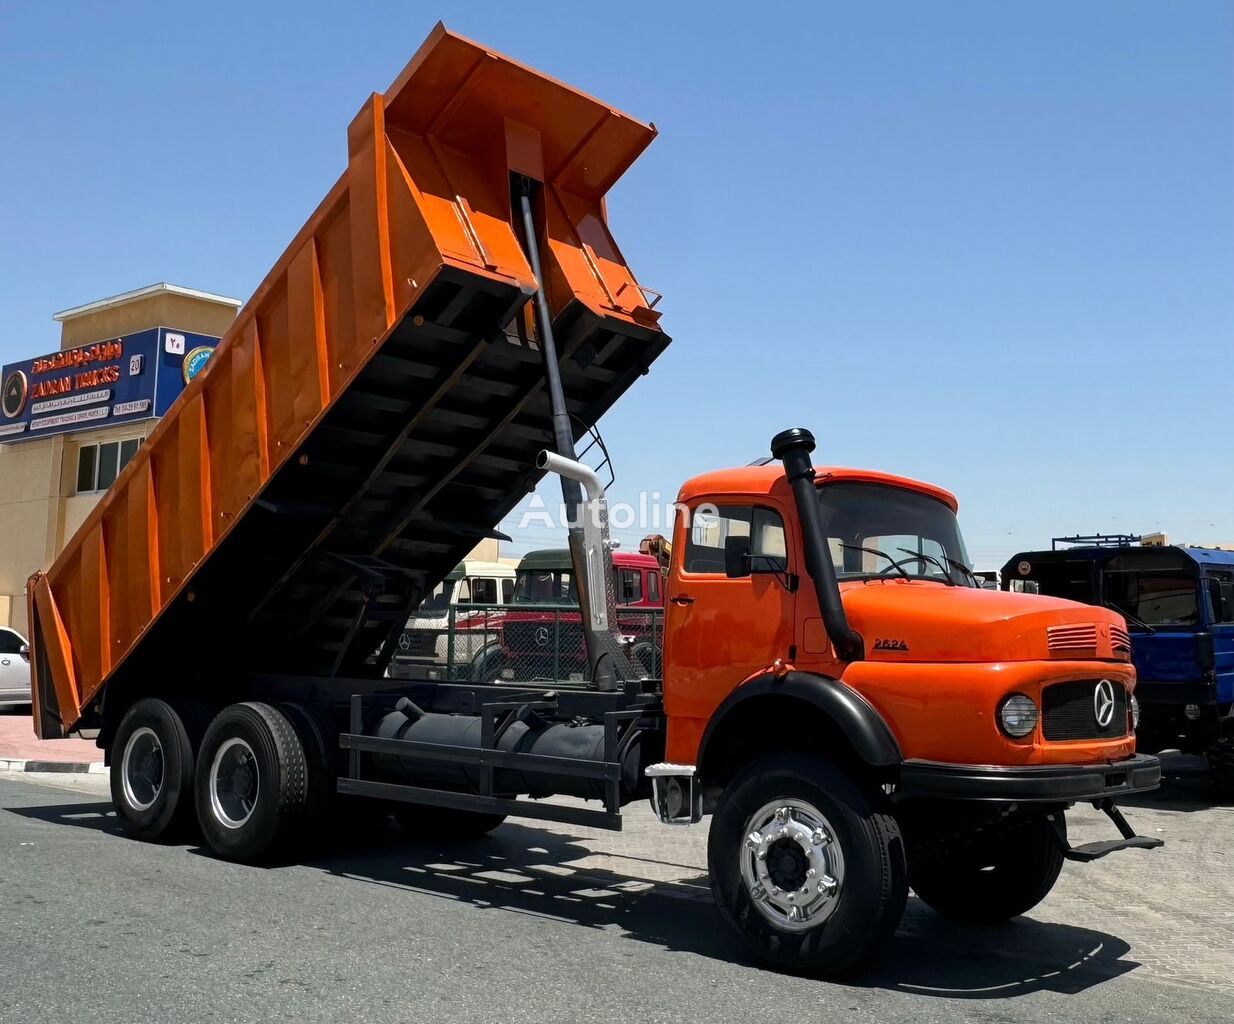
<point x="855" y="713"/>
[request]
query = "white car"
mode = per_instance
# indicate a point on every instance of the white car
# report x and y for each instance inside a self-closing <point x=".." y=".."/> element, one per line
<point x="14" y="668"/>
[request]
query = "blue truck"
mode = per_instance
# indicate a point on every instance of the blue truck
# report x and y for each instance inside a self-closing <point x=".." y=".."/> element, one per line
<point x="1178" y="602"/>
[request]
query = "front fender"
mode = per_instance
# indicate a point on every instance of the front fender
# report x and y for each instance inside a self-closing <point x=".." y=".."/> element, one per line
<point x="857" y="719"/>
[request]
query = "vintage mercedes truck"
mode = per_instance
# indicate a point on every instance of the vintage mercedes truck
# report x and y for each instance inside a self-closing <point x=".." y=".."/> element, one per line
<point x="851" y="711"/>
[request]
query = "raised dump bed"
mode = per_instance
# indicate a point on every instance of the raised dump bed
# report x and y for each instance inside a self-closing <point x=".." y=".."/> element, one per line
<point x="376" y="406"/>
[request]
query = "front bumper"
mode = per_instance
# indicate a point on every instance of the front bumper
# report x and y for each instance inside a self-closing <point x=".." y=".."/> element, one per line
<point x="1049" y="783"/>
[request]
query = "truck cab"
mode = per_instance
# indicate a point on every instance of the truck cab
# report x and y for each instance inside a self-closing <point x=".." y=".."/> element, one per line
<point x="540" y="636"/>
<point x="1178" y="605"/>
<point x="459" y="609"/>
<point x="844" y="697"/>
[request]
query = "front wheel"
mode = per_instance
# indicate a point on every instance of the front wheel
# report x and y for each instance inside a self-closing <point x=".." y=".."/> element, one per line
<point x="807" y="864"/>
<point x="996" y="876"/>
<point x="1221" y="767"/>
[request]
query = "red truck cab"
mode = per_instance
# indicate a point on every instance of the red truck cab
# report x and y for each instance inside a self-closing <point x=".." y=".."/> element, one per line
<point x="544" y="642"/>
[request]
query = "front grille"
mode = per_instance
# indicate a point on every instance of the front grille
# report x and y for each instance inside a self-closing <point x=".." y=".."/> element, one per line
<point x="1072" y="639"/>
<point x="417" y="643"/>
<point x="1069" y="712"/>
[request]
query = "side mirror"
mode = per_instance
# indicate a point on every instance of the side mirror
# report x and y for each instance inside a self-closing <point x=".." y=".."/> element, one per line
<point x="736" y="557"/>
<point x="24" y="650"/>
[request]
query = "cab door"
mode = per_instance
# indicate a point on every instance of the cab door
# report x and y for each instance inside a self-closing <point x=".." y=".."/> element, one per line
<point x="719" y="631"/>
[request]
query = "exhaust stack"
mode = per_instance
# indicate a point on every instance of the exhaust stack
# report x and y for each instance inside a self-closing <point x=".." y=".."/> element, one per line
<point x="793" y="447"/>
<point x="591" y="549"/>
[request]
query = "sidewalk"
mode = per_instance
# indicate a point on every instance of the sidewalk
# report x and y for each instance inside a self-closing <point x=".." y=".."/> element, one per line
<point x="21" y="750"/>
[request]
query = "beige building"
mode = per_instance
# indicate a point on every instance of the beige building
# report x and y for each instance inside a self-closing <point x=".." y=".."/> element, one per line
<point x="73" y="418"/>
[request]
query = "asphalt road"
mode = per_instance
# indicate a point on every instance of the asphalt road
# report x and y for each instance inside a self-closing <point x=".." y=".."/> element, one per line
<point x="549" y="925"/>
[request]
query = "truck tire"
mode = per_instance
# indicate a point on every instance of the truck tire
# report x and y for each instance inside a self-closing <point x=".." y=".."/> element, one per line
<point x="996" y="876"/>
<point x="486" y="666"/>
<point x="252" y="784"/>
<point x="152" y="757"/>
<point x="1221" y="768"/>
<point x="320" y="744"/>
<point x="807" y="864"/>
<point x="444" y="824"/>
<point x="645" y="657"/>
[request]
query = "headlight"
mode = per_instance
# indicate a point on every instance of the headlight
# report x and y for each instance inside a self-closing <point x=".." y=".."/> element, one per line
<point x="1135" y="713"/>
<point x="1017" y="715"/>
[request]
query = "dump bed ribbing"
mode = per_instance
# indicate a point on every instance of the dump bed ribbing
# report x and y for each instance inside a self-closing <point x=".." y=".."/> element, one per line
<point x="376" y="406"/>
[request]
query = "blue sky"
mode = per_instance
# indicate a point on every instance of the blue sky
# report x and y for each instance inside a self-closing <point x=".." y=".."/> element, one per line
<point x="991" y="245"/>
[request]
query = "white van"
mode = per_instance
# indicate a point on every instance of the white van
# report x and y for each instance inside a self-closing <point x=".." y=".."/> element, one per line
<point x="466" y="599"/>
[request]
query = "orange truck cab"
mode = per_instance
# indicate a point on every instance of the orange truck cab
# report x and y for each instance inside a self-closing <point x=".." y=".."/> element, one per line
<point x="843" y="695"/>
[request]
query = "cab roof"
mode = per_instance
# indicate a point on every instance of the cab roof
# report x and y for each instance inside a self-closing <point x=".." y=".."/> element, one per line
<point x="559" y="558"/>
<point x="1203" y="556"/>
<point x="475" y="567"/>
<point x="764" y="479"/>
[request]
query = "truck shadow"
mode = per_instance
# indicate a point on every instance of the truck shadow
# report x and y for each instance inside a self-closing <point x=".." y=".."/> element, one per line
<point x="527" y="870"/>
<point x="556" y="876"/>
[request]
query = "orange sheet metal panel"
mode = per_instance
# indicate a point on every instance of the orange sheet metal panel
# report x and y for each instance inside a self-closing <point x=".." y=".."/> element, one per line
<point x="426" y="186"/>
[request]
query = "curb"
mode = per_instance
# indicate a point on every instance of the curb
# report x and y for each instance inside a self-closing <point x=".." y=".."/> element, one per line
<point x="67" y="767"/>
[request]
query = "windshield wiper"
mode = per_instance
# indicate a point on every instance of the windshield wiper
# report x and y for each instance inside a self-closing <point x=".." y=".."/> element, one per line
<point x="965" y="569"/>
<point x="882" y="554"/>
<point x="921" y="556"/>
<point x="1135" y="621"/>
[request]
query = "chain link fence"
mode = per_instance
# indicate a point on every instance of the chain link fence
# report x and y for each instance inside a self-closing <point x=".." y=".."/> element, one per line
<point x="518" y="644"/>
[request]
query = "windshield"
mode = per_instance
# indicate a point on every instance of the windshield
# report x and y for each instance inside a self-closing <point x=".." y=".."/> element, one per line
<point x="544" y="586"/>
<point x="874" y="530"/>
<point x="438" y="601"/>
<point x="1157" y="588"/>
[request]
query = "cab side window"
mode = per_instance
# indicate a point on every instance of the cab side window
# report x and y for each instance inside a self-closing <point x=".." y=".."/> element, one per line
<point x="507" y="590"/>
<point x="1221" y="595"/>
<point x="10" y="642"/>
<point x="629" y="586"/>
<point x="710" y="530"/>
<point x="483" y="590"/>
<point x="653" y="586"/>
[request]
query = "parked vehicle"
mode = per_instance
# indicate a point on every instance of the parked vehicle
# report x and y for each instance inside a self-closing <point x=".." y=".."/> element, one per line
<point x="1178" y="607"/>
<point x="14" y="669"/>
<point x="540" y="635"/>
<point x="852" y="712"/>
<point x="454" y="624"/>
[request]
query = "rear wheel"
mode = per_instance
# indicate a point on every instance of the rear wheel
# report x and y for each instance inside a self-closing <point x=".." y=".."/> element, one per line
<point x="444" y="824"/>
<point x="807" y="864"/>
<point x="252" y="784"/>
<point x="152" y="770"/>
<point x="320" y="743"/>
<point x="995" y="876"/>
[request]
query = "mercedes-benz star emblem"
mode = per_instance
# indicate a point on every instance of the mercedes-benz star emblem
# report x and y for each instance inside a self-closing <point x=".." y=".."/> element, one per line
<point x="542" y="636"/>
<point x="1103" y="703"/>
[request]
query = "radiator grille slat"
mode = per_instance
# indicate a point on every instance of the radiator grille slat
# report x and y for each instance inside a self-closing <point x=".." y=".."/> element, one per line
<point x="1068" y="712"/>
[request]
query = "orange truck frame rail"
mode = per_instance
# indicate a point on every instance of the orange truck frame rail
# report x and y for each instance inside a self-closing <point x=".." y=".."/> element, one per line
<point x="838" y="693"/>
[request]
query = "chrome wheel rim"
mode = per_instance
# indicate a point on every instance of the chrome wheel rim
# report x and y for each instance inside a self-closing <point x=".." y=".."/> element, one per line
<point x="141" y="769"/>
<point x="792" y="864"/>
<point x="235" y="783"/>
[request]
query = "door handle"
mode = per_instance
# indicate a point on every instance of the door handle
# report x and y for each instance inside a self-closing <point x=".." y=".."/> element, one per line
<point x="5" y="662"/>
<point x="682" y="599"/>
